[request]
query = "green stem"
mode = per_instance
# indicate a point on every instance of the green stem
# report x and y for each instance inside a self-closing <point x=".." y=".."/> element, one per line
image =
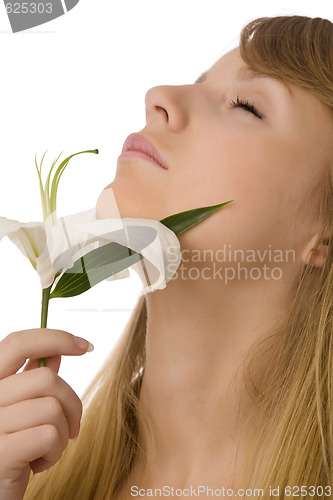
<point x="43" y="322"/>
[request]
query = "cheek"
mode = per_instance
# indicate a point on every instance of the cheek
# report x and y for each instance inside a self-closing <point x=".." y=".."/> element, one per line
<point x="262" y="178"/>
<point x="262" y="173"/>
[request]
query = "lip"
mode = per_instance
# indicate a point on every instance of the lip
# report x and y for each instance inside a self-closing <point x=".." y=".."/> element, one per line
<point x="140" y="147"/>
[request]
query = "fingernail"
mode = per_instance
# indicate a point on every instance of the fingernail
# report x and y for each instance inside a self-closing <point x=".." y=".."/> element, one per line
<point x="84" y="344"/>
<point x="75" y="439"/>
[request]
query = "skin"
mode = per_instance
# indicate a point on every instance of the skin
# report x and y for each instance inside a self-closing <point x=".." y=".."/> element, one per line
<point x="192" y="386"/>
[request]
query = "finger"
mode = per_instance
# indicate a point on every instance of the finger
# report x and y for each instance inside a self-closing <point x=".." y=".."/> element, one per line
<point x="28" y="445"/>
<point x="38" y="383"/>
<point x="33" y="344"/>
<point x="52" y="362"/>
<point x="34" y="413"/>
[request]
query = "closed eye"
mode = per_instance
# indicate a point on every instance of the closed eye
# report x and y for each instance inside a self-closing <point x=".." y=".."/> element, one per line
<point x="240" y="103"/>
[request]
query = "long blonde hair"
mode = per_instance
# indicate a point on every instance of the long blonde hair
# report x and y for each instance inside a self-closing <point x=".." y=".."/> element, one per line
<point x="293" y="431"/>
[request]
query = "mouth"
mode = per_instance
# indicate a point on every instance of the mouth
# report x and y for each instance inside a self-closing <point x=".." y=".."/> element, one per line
<point x="137" y="146"/>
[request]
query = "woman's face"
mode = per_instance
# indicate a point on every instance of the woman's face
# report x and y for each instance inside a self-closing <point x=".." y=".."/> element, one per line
<point x="215" y="152"/>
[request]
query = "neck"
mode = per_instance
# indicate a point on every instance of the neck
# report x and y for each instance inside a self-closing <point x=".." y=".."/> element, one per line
<point x="198" y="335"/>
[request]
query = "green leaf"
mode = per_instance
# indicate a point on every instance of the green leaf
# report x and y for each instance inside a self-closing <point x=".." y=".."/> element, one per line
<point x="178" y="223"/>
<point x="94" y="267"/>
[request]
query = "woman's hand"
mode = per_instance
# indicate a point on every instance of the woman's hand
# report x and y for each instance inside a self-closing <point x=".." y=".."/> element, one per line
<point x="39" y="411"/>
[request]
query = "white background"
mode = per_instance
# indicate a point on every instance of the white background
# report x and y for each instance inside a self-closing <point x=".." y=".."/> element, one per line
<point x="79" y="83"/>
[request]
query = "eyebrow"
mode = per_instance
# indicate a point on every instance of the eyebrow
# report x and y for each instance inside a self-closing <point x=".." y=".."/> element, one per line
<point x="245" y="74"/>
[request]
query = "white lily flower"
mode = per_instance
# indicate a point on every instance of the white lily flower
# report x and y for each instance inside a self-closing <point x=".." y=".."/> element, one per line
<point x="52" y="248"/>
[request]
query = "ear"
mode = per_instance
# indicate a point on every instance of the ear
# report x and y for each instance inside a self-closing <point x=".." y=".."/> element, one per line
<point x="318" y="254"/>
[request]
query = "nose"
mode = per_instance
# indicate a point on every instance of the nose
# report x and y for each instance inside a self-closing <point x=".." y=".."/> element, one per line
<point x="165" y="105"/>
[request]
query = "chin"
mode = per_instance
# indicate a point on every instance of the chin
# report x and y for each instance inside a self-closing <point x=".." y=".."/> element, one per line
<point x="121" y="199"/>
<point x="107" y="206"/>
<point x="111" y="205"/>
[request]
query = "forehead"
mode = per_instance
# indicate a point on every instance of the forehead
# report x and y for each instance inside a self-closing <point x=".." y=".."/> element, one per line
<point x="231" y="61"/>
<point x="230" y="67"/>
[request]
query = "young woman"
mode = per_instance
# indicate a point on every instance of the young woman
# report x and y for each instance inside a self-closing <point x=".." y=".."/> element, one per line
<point x="224" y="378"/>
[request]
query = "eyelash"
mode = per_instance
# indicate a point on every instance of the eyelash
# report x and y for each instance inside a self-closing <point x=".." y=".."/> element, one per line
<point x="240" y="103"/>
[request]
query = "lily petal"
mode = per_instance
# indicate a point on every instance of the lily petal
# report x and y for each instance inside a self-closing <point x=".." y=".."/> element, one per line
<point x="28" y="237"/>
<point x="123" y="274"/>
